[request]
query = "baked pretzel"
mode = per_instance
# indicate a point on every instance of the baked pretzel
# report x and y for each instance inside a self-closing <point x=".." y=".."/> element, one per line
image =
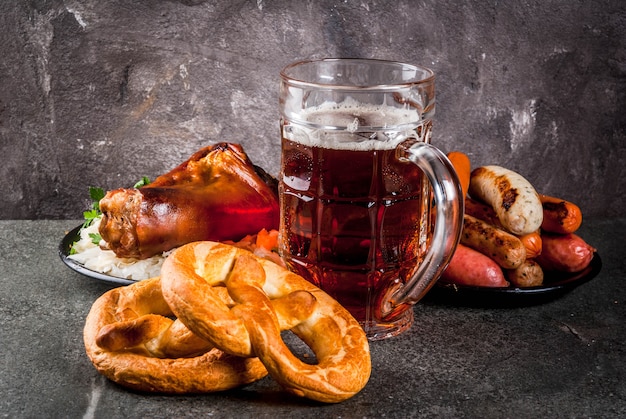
<point x="240" y="303"/>
<point x="131" y="339"/>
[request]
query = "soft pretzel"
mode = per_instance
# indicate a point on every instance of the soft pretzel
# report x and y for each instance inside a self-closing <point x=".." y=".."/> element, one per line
<point x="262" y="299"/>
<point x="131" y="339"/>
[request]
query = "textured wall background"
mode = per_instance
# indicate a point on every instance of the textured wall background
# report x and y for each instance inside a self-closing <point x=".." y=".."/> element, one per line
<point x="103" y="92"/>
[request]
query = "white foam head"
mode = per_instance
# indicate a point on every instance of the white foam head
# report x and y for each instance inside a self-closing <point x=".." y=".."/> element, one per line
<point x="354" y="126"/>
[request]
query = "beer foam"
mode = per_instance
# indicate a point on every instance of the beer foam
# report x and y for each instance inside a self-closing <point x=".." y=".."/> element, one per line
<point x="350" y="125"/>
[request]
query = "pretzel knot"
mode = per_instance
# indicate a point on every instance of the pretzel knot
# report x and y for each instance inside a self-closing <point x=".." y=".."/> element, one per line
<point x="131" y="339"/>
<point x="240" y="303"/>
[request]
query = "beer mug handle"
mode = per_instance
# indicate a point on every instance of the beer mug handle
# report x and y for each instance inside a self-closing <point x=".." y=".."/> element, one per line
<point x="449" y="204"/>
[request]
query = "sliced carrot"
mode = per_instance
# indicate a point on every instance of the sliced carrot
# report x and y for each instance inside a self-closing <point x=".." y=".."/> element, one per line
<point x="462" y="166"/>
<point x="560" y="216"/>
<point x="533" y="244"/>
<point x="267" y="239"/>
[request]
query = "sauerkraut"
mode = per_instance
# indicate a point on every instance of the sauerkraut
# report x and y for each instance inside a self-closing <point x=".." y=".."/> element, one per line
<point x="93" y="257"/>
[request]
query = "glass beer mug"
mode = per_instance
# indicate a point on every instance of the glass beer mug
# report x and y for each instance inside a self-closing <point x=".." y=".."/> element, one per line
<point x="370" y="211"/>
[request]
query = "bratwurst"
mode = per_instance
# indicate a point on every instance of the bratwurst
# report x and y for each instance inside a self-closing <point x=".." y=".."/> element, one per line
<point x="504" y="248"/>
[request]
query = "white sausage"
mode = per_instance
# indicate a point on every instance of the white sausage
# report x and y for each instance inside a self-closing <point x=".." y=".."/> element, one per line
<point x="513" y="198"/>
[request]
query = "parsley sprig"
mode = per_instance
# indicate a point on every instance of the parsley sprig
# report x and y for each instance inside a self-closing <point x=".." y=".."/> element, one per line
<point x="143" y="182"/>
<point x="96" y="194"/>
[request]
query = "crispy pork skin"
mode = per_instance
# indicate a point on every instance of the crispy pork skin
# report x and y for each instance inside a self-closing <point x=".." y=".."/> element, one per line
<point x="217" y="194"/>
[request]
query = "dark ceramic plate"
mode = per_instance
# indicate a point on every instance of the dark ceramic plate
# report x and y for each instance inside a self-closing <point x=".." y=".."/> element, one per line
<point x="64" y="251"/>
<point x="555" y="285"/>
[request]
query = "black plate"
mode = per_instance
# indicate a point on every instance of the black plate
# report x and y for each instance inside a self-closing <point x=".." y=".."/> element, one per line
<point x="64" y="251"/>
<point x="555" y="285"/>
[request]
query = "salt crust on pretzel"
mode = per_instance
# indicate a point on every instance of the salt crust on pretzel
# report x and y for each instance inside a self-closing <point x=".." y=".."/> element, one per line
<point x="235" y="300"/>
<point x="131" y="339"/>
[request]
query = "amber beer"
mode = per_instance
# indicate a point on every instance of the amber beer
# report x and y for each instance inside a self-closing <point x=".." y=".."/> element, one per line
<point x="355" y="217"/>
<point x="357" y="177"/>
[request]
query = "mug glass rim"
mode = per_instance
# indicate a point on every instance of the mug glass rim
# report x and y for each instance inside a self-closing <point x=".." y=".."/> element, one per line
<point x="293" y="80"/>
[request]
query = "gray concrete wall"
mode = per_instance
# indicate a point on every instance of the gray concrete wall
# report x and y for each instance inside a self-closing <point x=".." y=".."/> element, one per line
<point x="104" y="92"/>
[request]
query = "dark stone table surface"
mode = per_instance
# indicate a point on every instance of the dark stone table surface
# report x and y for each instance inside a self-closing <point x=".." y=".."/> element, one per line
<point x="561" y="358"/>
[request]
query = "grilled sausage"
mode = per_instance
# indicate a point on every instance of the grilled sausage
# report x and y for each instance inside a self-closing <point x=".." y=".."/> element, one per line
<point x="504" y="248"/>
<point x="513" y="198"/>
<point x="528" y="274"/>
<point x="560" y="216"/>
